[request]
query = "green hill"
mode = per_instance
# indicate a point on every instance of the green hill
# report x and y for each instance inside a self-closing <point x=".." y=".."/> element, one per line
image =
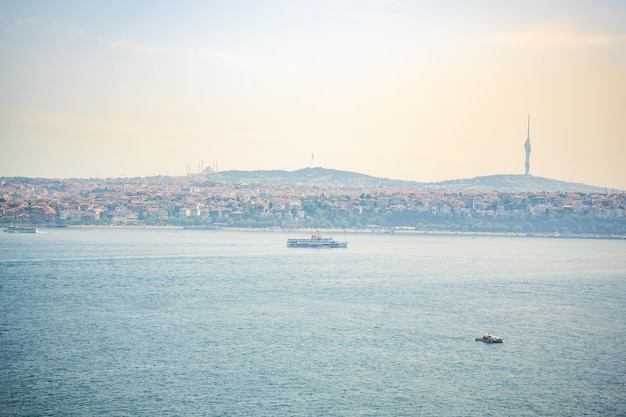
<point x="332" y="177"/>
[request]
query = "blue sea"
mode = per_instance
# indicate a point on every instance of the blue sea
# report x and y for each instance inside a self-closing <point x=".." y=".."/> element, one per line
<point x="160" y="322"/>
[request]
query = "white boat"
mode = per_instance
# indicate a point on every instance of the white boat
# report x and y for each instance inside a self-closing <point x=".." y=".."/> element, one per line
<point x="489" y="338"/>
<point x="316" y="241"/>
<point x="20" y="229"/>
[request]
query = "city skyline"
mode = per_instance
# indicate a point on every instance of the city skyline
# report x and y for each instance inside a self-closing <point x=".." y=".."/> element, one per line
<point x="417" y="91"/>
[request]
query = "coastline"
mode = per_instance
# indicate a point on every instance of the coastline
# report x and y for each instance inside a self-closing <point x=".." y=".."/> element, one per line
<point x="336" y="230"/>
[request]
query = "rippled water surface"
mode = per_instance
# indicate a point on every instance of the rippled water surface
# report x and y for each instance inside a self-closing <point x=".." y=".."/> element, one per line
<point x="171" y="322"/>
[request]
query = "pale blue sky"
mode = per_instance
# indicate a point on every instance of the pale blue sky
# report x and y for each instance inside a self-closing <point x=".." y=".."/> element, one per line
<point x="415" y="90"/>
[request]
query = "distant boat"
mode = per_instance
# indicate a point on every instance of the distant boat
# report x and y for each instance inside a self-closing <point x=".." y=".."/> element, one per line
<point x="489" y="338"/>
<point x="316" y="241"/>
<point x="20" y="229"/>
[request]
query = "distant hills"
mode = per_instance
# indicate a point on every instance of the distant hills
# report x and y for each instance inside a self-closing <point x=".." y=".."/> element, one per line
<point x="309" y="176"/>
<point x="322" y="177"/>
<point x="517" y="183"/>
<point x="331" y="177"/>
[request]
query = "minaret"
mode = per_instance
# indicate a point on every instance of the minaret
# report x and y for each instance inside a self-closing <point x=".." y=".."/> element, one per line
<point x="527" y="147"/>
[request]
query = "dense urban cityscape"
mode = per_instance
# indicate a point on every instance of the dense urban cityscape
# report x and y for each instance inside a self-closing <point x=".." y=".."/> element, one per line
<point x="194" y="201"/>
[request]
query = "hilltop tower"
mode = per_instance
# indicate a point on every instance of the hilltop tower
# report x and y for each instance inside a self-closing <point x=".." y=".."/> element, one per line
<point x="527" y="148"/>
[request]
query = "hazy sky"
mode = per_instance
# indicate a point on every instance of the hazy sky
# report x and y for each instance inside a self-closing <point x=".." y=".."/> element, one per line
<point x="414" y="90"/>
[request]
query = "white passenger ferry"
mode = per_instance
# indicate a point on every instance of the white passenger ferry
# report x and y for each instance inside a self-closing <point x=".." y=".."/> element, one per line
<point x="316" y="241"/>
<point x="20" y="229"/>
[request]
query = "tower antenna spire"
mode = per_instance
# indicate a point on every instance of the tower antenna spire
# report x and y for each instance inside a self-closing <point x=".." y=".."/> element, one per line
<point x="527" y="148"/>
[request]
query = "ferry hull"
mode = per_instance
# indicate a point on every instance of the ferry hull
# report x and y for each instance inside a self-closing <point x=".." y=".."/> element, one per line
<point x="20" y="229"/>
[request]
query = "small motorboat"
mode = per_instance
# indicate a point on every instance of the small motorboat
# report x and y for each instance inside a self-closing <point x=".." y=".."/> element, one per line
<point x="489" y="338"/>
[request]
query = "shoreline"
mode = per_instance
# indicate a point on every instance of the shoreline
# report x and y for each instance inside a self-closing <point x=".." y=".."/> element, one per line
<point x="336" y="230"/>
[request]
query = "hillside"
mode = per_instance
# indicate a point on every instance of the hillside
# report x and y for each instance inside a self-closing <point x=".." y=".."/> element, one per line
<point x="308" y="176"/>
<point x="332" y="177"/>
<point x="516" y="183"/>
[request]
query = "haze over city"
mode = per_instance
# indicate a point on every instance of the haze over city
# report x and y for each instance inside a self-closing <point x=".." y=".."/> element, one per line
<point x="422" y="91"/>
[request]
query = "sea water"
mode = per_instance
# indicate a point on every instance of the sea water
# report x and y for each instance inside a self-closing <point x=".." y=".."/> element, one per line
<point x="144" y="322"/>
